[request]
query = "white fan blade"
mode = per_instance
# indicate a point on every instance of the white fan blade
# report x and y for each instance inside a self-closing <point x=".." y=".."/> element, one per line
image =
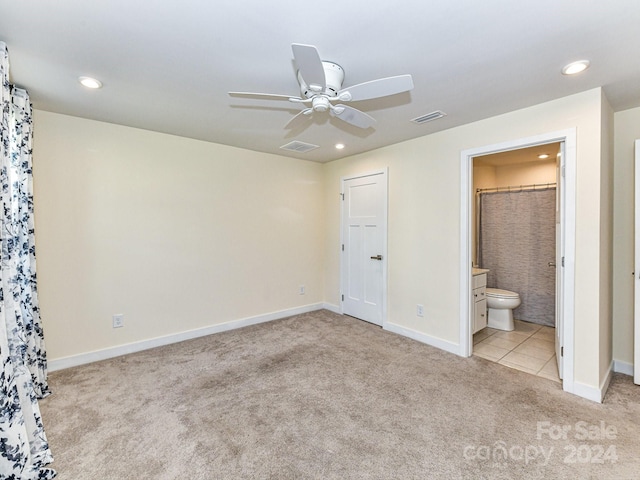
<point x="310" y="66"/>
<point x="296" y="120"/>
<point x="353" y="116"/>
<point x="263" y="96"/>
<point x="382" y="87"/>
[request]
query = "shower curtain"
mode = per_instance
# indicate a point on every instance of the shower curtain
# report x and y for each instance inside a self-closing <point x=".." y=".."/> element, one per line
<point x="517" y="240"/>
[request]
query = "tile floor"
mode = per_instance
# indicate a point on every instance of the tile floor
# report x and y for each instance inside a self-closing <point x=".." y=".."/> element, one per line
<point x="529" y="348"/>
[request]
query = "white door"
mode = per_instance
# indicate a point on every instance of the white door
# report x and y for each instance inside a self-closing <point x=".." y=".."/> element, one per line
<point x="636" y="303"/>
<point x="364" y="233"/>
<point x="559" y="256"/>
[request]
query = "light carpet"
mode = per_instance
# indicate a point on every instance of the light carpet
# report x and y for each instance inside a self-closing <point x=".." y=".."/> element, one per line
<point x="325" y="396"/>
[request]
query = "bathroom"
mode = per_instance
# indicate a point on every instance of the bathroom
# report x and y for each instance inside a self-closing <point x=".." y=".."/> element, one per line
<point x="513" y="242"/>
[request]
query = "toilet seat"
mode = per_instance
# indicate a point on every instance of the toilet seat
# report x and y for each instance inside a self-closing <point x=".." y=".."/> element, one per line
<point x="499" y="293"/>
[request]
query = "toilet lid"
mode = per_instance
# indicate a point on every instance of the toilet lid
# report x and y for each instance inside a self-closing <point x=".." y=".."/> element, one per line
<point x="497" y="292"/>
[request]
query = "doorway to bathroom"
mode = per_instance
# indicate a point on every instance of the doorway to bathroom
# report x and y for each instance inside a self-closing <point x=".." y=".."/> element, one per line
<point x="500" y="182"/>
<point x="515" y="215"/>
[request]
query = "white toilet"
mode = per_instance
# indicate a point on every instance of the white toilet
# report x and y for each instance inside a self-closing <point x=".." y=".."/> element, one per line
<point x="500" y="304"/>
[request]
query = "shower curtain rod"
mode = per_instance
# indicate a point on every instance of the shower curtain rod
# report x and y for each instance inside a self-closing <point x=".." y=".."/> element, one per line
<point x="517" y="188"/>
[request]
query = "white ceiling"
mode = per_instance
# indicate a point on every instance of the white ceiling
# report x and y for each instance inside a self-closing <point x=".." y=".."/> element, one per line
<point x="167" y="66"/>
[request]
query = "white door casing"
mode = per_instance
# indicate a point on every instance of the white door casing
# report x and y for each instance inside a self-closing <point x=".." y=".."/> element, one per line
<point x="364" y="255"/>
<point x="636" y="287"/>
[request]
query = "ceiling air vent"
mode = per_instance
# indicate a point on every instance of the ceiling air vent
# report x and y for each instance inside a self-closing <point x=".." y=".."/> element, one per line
<point x="428" y="117"/>
<point x="299" y="147"/>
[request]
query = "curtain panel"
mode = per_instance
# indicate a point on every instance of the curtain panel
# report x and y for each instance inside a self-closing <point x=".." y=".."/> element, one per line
<point x="24" y="450"/>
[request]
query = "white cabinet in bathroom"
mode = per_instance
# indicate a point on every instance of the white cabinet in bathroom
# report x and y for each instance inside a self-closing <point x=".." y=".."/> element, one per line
<point x="479" y="285"/>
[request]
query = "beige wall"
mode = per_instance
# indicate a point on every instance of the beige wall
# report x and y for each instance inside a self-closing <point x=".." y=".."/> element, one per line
<point x="527" y="173"/>
<point x="627" y="130"/>
<point x="540" y="172"/>
<point x="424" y="220"/>
<point x="484" y="176"/>
<point x="175" y="234"/>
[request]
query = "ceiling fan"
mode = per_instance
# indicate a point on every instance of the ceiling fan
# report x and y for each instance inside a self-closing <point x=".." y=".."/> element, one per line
<point x="321" y="89"/>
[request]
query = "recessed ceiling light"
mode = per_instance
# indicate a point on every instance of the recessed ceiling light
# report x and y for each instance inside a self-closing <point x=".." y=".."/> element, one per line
<point x="339" y="146"/>
<point x="575" y="67"/>
<point x="543" y="156"/>
<point x="90" y="82"/>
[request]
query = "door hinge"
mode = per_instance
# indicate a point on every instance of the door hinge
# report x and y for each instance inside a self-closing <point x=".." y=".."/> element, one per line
<point x="342" y="196"/>
<point x="562" y="351"/>
<point x="562" y="171"/>
<point x="563" y="261"/>
<point x="343" y="298"/>
<point x="343" y="247"/>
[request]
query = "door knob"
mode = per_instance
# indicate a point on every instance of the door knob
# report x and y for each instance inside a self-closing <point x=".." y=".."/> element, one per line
<point x="552" y="264"/>
<point x="377" y="257"/>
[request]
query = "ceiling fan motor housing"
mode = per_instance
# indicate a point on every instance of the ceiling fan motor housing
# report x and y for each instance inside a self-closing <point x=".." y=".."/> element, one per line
<point x="334" y="76"/>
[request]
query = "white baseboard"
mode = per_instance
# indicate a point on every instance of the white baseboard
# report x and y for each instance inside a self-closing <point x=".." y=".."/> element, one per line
<point x="97" y="355"/>
<point x="587" y="391"/>
<point x="592" y="393"/>
<point x="623" y="367"/>
<point x="423" y="338"/>
<point x="332" y="308"/>
<point x="604" y="386"/>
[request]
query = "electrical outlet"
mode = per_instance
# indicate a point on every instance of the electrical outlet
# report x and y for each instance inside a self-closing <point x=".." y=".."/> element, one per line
<point x="420" y="310"/>
<point x="301" y="290"/>
<point x="118" y="320"/>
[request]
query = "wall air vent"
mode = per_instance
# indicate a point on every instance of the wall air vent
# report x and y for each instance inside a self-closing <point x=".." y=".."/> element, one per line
<point x="428" y="117"/>
<point x="299" y="147"/>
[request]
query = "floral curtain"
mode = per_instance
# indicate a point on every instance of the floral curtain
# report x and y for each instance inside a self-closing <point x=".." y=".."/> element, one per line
<point x="24" y="450"/>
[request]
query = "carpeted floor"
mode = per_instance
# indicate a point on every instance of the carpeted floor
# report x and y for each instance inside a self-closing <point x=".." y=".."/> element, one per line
<point x="322" y="396"/>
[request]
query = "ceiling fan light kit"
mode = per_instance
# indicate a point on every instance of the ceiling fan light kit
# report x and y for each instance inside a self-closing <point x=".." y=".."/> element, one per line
<point x="320" y="103"/>
<point x="321" y="84"/>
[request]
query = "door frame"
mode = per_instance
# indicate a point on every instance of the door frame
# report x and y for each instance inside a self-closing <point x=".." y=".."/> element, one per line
<point x="636" y="270"/>
<point x="568" y="224"/>
<point x="385" y="173"/>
